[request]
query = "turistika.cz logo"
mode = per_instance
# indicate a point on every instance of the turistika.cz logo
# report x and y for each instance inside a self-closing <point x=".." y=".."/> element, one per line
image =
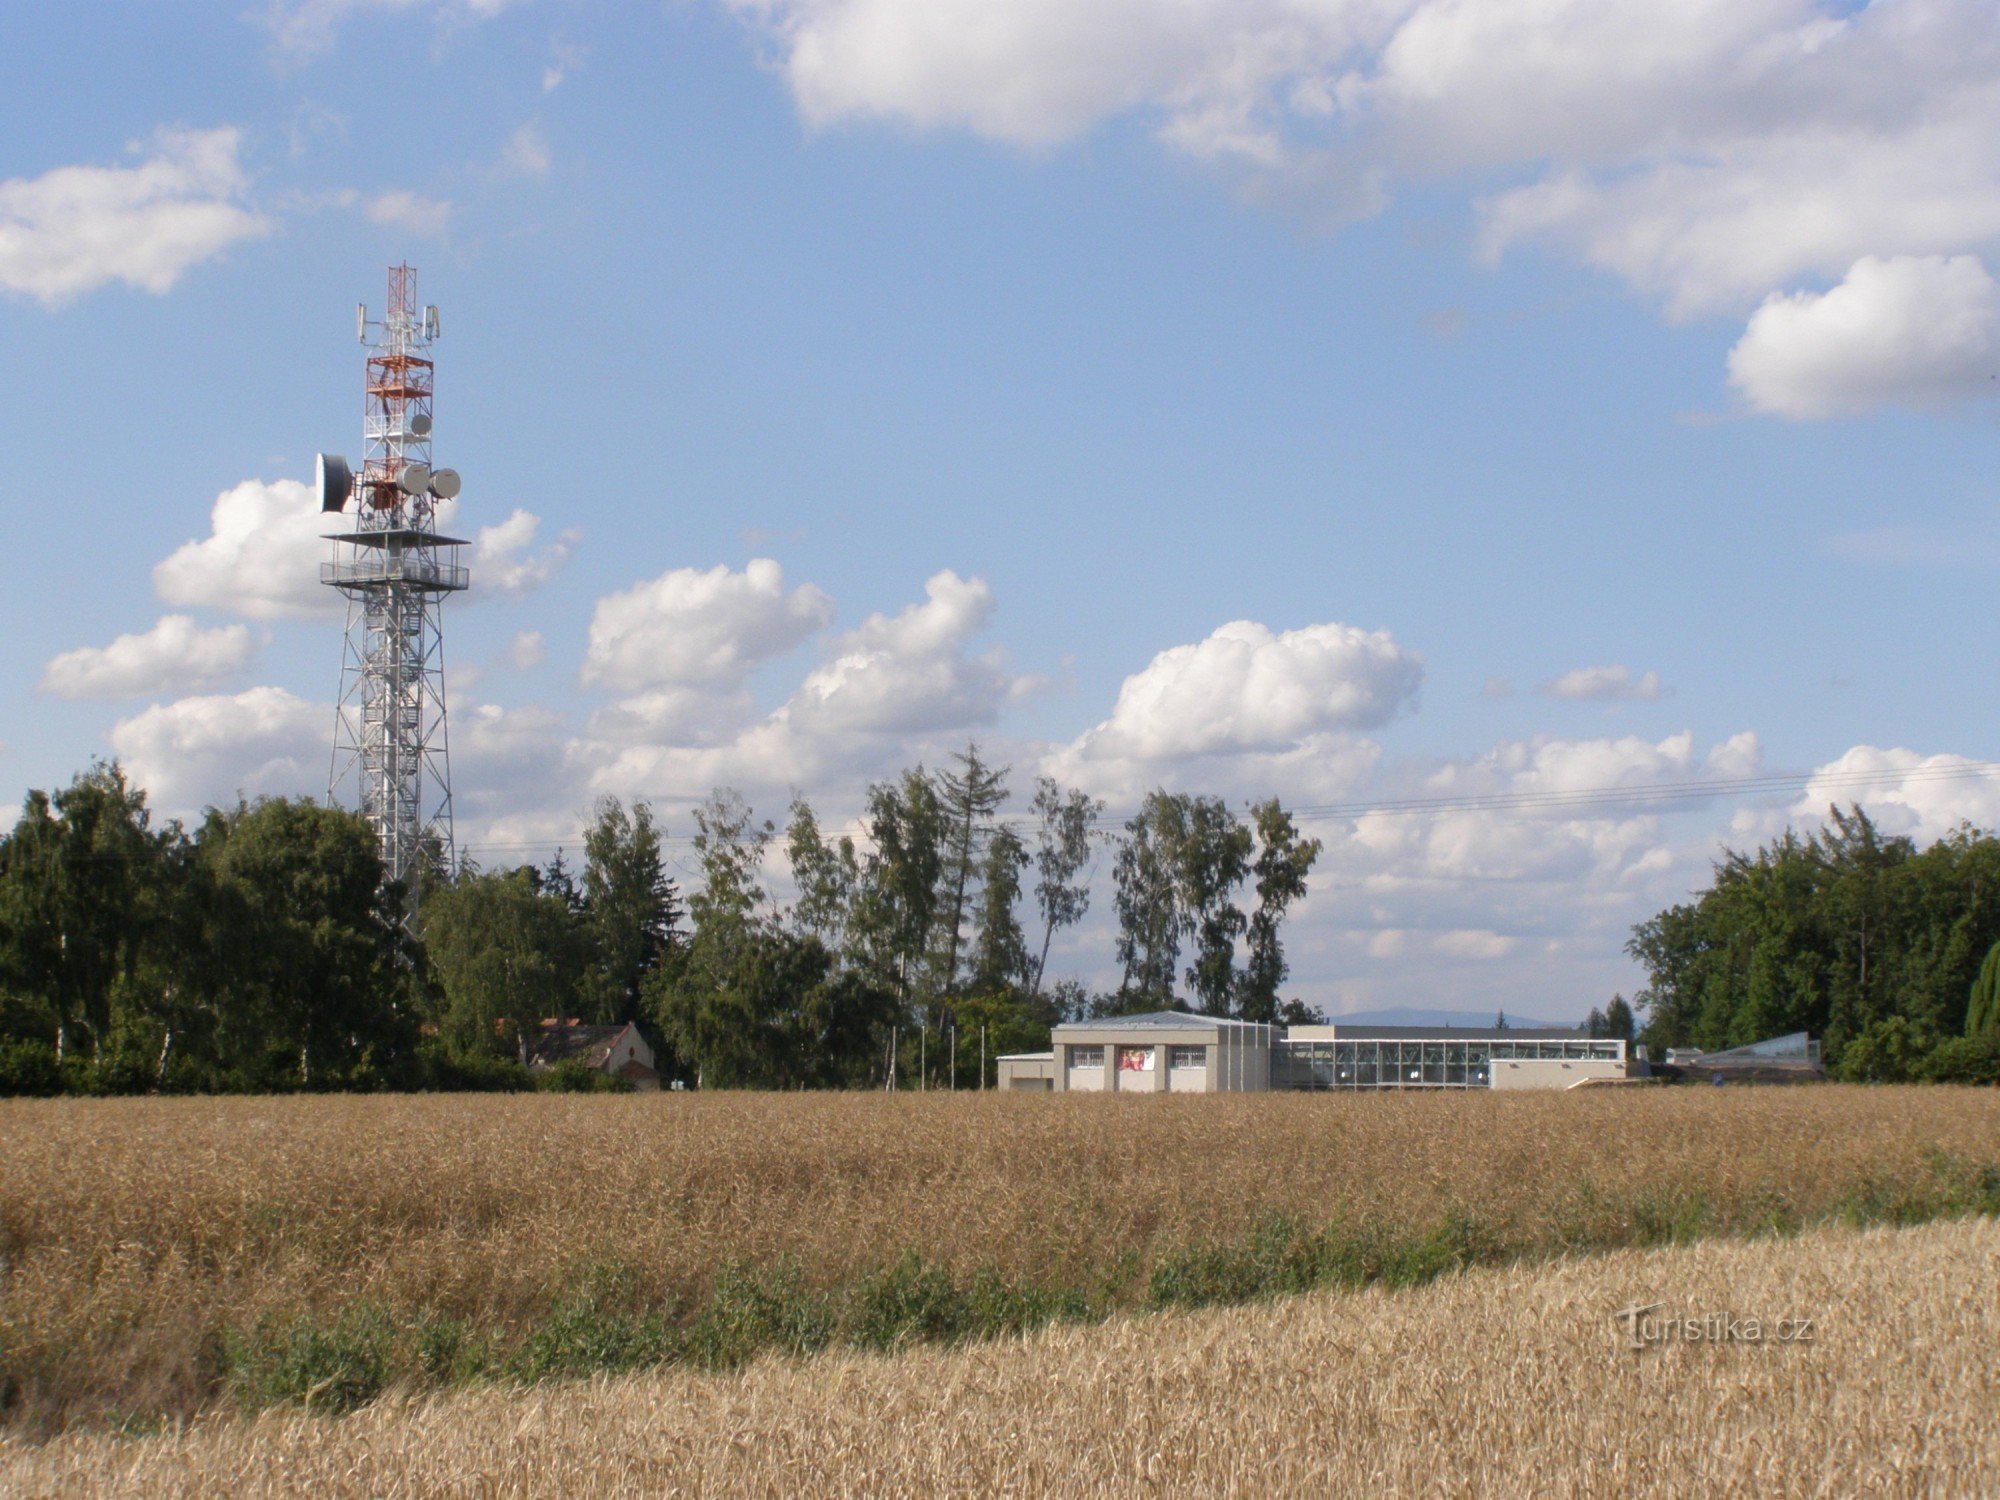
<point x="1649" y="1326"/>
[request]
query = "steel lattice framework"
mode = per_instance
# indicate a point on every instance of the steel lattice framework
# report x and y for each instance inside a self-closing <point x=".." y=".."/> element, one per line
<point x="390" y="738"/>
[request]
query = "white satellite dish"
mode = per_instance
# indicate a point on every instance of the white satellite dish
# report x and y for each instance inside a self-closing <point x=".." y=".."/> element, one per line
<point x="444" y="484"/>
<point x="334" y="481"/>
<point x="420" y="425"/>
<point x="414" y="479"/>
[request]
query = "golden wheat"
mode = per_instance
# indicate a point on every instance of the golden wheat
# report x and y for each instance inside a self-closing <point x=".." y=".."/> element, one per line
<point x="131" y="1231"/>
<point x="1513" y="1381"/>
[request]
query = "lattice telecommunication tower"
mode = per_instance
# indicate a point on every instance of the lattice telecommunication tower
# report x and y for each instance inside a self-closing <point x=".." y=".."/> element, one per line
<point x="395" y="569"/>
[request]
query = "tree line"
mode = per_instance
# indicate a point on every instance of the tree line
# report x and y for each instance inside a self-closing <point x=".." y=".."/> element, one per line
<point x="1884" y="951"/>
<point x="260" y="950"/>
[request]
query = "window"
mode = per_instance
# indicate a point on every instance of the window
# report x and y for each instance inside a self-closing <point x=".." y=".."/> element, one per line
<point x="1187" y="1057"/>
<point x="1086" y="1057"/>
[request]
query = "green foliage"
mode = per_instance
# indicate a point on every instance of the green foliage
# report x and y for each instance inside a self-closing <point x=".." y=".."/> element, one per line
<point x="750" y="1311"/>
<point x="1283" y="862"/>
<point x="1149" y="917"/>
<point x="1837" y="933"/>
<point x="261" y="952"/>
<point x="1891" y="1050"/>
<point x="1000" y="951"/>
<point x="575" y="1076"/>
<point x="826" y="875"/>
<point x="758" y="1007"/>
<point x="316" y="954"/>
<point x="1179" y="867"/>
<point x="1963" y="1059"/>
<point x="29" y="1067"/>
<point x="1283" y="1255"/>
<point x="1013" y="1022"/>
<point x="906" y="1302"/>
<point x="505" y="954"/>
<point x="1982" y="1009"/>
<point x="630" y="910"/>
<point x="449" y="1072"/>
<point x="893" y="920"/>
<point x="1062" y="850"/>
<point x="1615" y="1020"/>
<point x="968" y="799"/>
<point x="583" y="1337"/>
<point x="79" y="893"/>
<point x="334" y="1367"/>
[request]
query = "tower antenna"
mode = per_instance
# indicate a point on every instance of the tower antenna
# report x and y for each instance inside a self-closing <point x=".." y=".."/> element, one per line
<point x="395" y="569"/>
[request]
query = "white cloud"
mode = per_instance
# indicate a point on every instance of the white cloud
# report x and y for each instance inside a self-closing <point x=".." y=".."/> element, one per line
<point x="694" y="628"/>
<point x="1905" y="792"/>
<point x="1249" y="709"/>
<point x="301" y="29"/>
<point x="909" y="673"/>
<point x="1908" y="331"/>
<point x="895" y="689"/>
<point x="1246" y="688"/>
<point x="510" y="763"/>
<point x="73" y="229"/>
<point x="261" y="558"/>
<point x="1598" y="683"/>
<point x="502" y="560"/>
<point x="526" y="651"/>
<point x="527" y="153"/>
<point x="203" y="751"/>
<point x="175" y="656"/>
<point x="1473" y="943"/>
<point x="1709" y="152"/>
<point x="411" y="212"/>
<point x="564" y="59"/>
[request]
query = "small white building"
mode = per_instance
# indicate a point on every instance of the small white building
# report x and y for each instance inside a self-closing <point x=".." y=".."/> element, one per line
<point x="1159" y="1052"/>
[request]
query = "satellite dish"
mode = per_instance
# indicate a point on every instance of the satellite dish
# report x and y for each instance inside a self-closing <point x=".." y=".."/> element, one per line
<point x="444" y="484"/>
<point x="414" y="479"/>
<point x="334" y="481"/>
<point x="420" y="425"/>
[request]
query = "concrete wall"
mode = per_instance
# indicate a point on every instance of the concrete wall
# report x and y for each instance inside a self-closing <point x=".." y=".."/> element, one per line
<point x="1549" y="1073"/>
<point x="1030" y="1072"/>
<point x="1238" y="1058"/>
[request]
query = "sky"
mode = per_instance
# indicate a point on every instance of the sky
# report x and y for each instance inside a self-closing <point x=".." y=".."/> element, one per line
<point x="1545" y="442"/>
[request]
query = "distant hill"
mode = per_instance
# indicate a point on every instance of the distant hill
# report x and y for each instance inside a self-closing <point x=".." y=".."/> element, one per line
<point x="1412" y="1015"/>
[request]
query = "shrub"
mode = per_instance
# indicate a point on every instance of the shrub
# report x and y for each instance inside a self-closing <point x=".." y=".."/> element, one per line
<point x="749" y="1311"/>
<point x="906" y="1303"/>
<point x="1964" y="1059"/>
<point x="334" y="1367"/>
<point x="29" y="1067"/>
<point x="574" y="1076"/>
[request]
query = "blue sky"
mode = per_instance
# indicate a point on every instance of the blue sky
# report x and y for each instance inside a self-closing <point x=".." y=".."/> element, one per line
<point x="1347" y="402"/>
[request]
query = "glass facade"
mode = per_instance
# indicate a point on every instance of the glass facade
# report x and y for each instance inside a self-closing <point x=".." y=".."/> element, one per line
<point x="1416" y="1064"/>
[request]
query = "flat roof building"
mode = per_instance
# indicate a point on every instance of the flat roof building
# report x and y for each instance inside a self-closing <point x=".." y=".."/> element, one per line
<point x="1335" y="1056"/>
<point x="1161" y="1052"/>
<point x="1170" y="1051"/>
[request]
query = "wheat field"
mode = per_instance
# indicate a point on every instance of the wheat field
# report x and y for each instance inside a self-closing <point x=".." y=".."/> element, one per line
<point x="137" y="1236"/>
<point x="1505" y="1381"/>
